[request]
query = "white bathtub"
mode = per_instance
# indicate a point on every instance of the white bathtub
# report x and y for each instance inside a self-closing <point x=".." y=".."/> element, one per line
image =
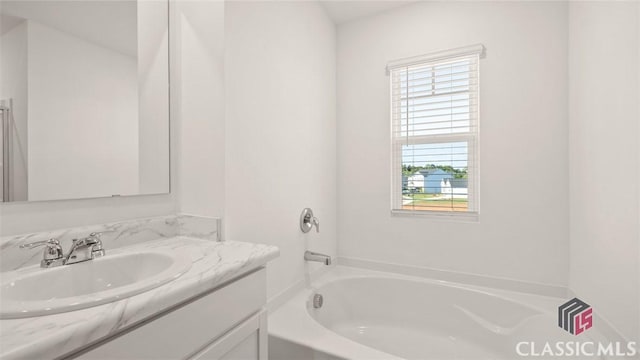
<point x="374" y="315"/>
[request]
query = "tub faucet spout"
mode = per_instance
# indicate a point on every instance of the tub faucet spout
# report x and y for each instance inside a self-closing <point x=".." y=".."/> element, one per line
<point x="312" y="256"/>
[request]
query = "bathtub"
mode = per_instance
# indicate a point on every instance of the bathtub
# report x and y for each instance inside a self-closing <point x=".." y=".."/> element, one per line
<point x="376" y="315"/>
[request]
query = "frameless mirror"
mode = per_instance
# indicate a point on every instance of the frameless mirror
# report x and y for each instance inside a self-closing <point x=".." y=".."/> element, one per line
<point x="84" y="99"/>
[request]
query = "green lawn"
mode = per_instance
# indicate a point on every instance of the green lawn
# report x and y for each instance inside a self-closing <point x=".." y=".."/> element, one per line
<point x="429" y="198"/>
<point x="433" y="202"/>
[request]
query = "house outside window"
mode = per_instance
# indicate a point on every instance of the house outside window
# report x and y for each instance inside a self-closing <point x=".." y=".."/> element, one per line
<point x="435" y="133"/>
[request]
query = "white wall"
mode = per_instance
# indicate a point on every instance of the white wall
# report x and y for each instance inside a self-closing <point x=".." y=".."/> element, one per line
<point x="521" y="234"/>
<point x="604" y="88"/>
<point x="280" y="130"/>
<point x="153" y="97"/>
<point x="13" y="85"/>
<point x="202" y="133"/>
<point x="103" y="159"/>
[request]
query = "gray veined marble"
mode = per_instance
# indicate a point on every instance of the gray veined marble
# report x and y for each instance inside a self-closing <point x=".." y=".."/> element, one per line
<point x="198" y="227"/>
<point x="213" y="264"/>
<point x="115" y="235"/>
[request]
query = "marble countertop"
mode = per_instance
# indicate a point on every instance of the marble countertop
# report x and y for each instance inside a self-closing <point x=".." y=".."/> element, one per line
<point x="52" y="336"/>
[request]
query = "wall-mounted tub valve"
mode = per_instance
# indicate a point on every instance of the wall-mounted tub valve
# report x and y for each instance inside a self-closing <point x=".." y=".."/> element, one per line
<point x="307" y="221"/>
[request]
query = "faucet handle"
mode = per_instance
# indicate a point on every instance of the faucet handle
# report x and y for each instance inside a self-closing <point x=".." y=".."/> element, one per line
<point x="52" y="254"/>
<point x="98" y="234"/>
<point x="53" y="251"/>
<point x="93" y="238"/>
<point x="36" y="244"/>
<point x="97" y="250"/>
<point x="307" y="221"/>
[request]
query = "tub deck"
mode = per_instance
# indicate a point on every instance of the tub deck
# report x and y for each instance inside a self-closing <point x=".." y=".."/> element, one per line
<point x="377" y="315"/>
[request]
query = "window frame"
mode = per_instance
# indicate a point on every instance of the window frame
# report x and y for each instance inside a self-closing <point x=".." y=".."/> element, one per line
<point x="471" y="137"/>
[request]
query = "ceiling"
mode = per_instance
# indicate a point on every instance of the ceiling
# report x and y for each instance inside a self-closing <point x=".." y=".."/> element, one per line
<point x="108" y="23"/>
<point x="344" y="11"/>
<point x="111" y="23"/>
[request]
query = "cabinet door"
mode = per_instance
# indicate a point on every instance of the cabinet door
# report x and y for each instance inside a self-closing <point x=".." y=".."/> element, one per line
<point x="248" y="341"/>
<point x="189" y="328"/>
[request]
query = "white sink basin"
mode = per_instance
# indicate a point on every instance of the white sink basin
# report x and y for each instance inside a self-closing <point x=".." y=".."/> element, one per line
<point x="37" y="292"/>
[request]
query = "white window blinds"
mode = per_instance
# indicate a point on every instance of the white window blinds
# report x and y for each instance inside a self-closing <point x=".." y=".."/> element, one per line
<point x="434" y="116"/>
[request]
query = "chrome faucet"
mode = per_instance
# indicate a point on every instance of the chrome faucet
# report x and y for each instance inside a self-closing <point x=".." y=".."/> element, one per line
<point x="52" y="255"/>
<point x="312" y="256"/>
<point x="81" y="250"/>
<point x="85" y="249"/>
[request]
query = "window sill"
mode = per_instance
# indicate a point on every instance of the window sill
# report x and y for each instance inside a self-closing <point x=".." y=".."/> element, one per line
<point x="473" y="217"/>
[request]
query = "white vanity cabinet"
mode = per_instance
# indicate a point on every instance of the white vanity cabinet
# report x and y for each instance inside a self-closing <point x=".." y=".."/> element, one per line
<point x="246" y="341"/>
<point x="228" y="322"/>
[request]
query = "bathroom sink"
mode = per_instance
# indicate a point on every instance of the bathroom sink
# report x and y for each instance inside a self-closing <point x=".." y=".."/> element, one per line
<point x="38" y="291"/>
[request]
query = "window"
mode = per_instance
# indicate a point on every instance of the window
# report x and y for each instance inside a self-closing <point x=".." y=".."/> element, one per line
<point x="434" y="126"/>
